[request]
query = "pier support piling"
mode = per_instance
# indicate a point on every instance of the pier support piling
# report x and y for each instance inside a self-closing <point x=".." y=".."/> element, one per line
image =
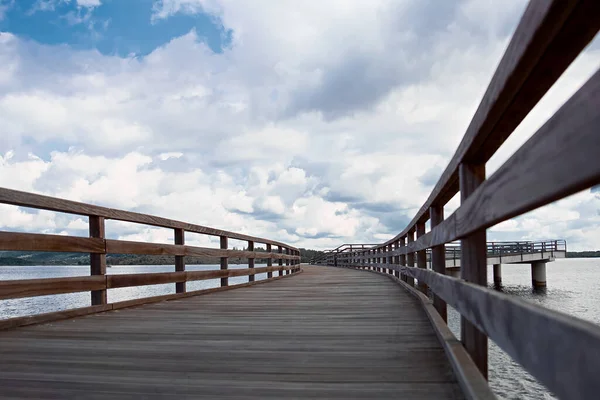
<point x="538" y="274"/>
<point x="497" y="273"/>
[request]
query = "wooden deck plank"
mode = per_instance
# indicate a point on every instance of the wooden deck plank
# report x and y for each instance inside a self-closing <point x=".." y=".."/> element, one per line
<point x="326" y="333"/>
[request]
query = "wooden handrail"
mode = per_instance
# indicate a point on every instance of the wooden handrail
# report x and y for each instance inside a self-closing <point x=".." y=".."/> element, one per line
<point x="98" y="247"/>
<point x="14" y="289"/>
<point x="550" y="35"/>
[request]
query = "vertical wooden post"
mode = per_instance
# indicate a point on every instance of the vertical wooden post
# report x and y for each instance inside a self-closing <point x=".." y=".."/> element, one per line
<point x="384" y="260"/>
<point x="280" y="251"/>
<point x="97" y="260"/>
<point x="438" y="259"/>
<point x="421" y="256"/>
<point x="269" y="261"/>
<point x="373" y="260"/>
<point x="180" y="287"/>
<point x="287" y="261"/>
<point x="410" y="258"/>
<point x="397" y="258"/>
<point x="473" y="266"/>
<point x="390" y="259"/>
<point x="250" y="260"/>
<point x="403" y="258"/>
<point x="224" y="260"/>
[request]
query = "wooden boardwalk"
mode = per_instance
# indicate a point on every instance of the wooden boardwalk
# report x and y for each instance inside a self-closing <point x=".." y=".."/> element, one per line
<point x="325" y="333"/>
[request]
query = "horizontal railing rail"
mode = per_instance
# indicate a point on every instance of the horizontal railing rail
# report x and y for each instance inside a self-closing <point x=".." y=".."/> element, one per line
<point x="550" y="35"/>
<point x="98" y="246"/>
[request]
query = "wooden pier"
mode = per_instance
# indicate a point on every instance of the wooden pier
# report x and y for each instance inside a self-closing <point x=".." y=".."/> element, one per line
<point x="326" y="333"/>
<point x="374" y="329"/>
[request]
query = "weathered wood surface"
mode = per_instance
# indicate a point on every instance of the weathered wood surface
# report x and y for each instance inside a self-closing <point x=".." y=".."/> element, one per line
<point x="438" y="260"/>
<point x="180" y="287"/>
<point x="98" y="258"/>
<point x="42" y="242"/>
<point x="326" y="333"/>
<point x="14" y="289"/>
<point x="473" y="261"/>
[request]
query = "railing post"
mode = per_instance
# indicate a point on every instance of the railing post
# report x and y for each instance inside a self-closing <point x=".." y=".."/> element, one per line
<point x="397" y="258"/>
<point x="473" y="266"/>
<point x="390" y="259"/>
<point x="410" y="258"/>
<point x="421" y="256"/>
<point x="97" y="260"/>
<point x="250" y="260"/>
<point x="287" y="260"/>
<point x="180" y="287"/>
<point x="403" y="258"/>
<point x="373" y="260"/>
<point x="269" y="261"/>
<point x="224" y="260"/>
<point x="438" y="259"/>
<point x="280" y="251"/>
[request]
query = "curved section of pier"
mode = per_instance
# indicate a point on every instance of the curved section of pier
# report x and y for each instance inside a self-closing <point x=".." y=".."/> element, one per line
<point x="325" y="333"/>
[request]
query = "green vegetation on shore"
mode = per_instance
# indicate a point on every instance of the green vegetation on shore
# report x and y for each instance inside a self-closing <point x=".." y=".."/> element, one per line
<point x="583" y="254"/>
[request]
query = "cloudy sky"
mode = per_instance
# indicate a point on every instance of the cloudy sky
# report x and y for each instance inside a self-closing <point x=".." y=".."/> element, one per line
<point x="313" y="122"/>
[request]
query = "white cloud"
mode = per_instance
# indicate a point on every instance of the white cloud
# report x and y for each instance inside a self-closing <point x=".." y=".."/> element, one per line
<point x="320" y="123"/>
<point x="166" y="156"/>
<point x="166" y="8"/>
<point x="89" y="3"/>
<point x="78" y="224"/>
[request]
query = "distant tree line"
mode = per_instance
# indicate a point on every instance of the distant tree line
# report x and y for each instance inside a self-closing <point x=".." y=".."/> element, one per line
<point x="44" y="258"/>
<point x="583" y="254"/>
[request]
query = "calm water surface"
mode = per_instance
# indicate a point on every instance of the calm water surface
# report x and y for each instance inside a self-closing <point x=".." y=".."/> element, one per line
<point x="42" y="304"/>
<point x="573" y="288"/>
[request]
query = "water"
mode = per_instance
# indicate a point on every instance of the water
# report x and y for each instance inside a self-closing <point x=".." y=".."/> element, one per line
<point x="42" y="304"/>
<point x="573" y="288"/>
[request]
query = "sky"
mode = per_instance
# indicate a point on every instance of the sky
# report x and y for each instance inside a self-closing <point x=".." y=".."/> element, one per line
<point x="315" y="123"/>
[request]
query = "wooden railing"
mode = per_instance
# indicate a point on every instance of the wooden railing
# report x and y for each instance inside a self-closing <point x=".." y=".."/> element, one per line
<point x="345" y="254"/>
<point x="560" y="159"/>
<point x="98" y="246"/>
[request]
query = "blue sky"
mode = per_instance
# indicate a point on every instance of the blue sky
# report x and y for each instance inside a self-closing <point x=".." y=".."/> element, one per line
<point x="309" y="122"/>
<point x="114" y="27"/>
